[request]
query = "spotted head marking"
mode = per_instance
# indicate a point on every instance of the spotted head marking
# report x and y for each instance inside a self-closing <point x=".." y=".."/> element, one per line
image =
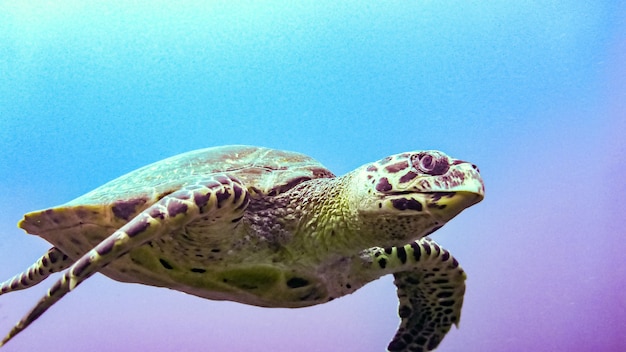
<point x="417" y="183"/>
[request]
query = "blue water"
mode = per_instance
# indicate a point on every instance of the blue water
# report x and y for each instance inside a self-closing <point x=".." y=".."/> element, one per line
<point x="534" y="93"/>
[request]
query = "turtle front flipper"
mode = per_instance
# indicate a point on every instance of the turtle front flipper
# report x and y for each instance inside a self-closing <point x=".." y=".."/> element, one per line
<point x="53" y="261"/>
<point x="431" y="285"/>
<point x="218" y="196"/>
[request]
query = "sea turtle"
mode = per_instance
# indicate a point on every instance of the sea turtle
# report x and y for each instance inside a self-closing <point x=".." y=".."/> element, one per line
<point x="268" y="228"/>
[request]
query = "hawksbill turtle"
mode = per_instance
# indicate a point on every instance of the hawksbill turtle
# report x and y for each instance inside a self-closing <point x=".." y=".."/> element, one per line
<point x="268" y="228"/>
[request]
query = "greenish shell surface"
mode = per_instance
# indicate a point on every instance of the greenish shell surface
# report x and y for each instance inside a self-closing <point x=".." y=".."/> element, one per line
<point x="81" y="224"/>
<point x="260" y="168"/>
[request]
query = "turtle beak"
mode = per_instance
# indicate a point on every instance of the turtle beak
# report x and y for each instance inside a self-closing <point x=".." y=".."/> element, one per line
<point x="445" y="205"/>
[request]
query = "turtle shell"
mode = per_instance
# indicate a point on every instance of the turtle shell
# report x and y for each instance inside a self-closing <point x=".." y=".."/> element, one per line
<point x="269" y="171"/>
<point x="95" y="215"/>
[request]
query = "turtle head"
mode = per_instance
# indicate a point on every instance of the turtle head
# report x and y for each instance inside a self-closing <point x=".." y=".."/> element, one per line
<point x="415" y="193"/>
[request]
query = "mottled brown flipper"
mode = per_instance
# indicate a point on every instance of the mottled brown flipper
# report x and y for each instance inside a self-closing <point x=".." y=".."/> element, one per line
<point x="431" y="285"/>
<point x="218" y="195"/>
<point x="52" y="262"/>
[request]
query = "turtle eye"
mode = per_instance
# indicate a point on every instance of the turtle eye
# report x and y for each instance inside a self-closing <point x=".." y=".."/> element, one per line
<point x="429" y="164"/>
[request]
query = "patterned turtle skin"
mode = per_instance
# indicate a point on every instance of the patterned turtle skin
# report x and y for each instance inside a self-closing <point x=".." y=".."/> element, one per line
<point x="267" y="228"/>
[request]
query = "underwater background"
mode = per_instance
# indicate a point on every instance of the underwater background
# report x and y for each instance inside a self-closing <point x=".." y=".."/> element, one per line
<point x="533" y="92"/>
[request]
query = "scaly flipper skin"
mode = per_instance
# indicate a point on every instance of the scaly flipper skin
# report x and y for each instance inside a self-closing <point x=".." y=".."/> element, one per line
<point x="51" y="262"/>
<point x="430" y="286"/>
<point x="220" y="195"/>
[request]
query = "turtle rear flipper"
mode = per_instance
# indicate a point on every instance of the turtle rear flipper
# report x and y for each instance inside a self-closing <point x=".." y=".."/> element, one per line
<point x="218" y="196"/>
<point x="53" y="261"/>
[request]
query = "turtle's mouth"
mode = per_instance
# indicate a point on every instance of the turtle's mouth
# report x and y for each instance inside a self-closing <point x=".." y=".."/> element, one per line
<point x="442" y="206"/>
<point x="446" y="205"/>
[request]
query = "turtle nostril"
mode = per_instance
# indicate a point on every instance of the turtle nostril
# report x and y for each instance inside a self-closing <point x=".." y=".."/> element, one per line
<point x="457" y="162"/>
